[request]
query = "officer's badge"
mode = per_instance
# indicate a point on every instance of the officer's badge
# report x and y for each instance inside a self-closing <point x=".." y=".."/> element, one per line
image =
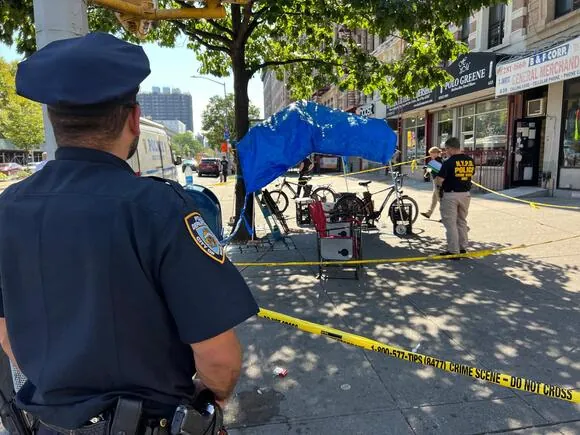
<point x="204" y="237"/>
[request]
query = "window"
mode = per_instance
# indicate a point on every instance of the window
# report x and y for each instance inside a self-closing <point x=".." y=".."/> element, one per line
<point x="444" y="126"/>
<point x="496" y="25"/>
<point x="414" y="137"/>
<point x="564" y="7"/>
<point x="570" y="153"/>
<point x="484" y="125"/>
<point x="465" y="29"/>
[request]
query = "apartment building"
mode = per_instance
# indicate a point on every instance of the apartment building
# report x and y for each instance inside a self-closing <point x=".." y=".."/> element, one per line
<point x="543" y="86"/>
<point x="521" y="127"/>
<point x="167" y="104"/>
<point x="513" y="100"/>
<point x="276" y="95"/>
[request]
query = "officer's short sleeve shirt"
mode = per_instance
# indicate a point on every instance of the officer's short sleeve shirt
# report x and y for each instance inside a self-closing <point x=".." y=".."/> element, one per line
<point x="204" y="291"/>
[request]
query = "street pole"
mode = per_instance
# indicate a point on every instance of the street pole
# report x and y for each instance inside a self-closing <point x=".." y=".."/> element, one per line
<point x="55" y="20"/>
<point x="226" y="114"/>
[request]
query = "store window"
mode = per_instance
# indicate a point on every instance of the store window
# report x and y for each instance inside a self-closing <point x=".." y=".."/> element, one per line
<point x="444" y="126"/>
<point x="483" y="125"/>
<point x="414" y="136"/>
<point x="570" y="149"/>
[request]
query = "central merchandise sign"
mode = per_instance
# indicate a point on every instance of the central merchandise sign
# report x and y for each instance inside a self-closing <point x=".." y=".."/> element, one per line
<point x="555" y="64"/>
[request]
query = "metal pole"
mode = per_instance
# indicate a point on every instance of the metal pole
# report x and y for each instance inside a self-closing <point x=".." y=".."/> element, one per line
<point x="55" y="20"/>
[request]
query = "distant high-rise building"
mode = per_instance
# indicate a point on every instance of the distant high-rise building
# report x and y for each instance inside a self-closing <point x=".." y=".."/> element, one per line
<point x="167" y="105"/>
<point x="276" y="95"/>
<point x="176" y="126"/>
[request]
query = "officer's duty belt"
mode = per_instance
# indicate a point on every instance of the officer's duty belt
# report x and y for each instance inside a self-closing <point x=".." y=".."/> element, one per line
<point x="128" y="419"/>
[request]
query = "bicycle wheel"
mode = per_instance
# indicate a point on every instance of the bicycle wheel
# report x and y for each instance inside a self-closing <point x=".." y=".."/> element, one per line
<point x="406" y="200"/>
<point x="349" y="206"/>
<point x="323" y="194"/>
<point x="280" y="199"/>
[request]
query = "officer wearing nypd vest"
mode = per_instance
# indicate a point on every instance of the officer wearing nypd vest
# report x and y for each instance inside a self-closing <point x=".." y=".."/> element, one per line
<point x="454" y="179"/>
<point x="115" y="292"/>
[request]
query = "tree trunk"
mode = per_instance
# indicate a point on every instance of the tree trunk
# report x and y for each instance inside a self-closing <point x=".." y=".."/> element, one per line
<point x="241" y="107"/>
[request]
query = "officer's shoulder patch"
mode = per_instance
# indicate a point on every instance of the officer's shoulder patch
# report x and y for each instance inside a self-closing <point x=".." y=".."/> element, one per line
<point x="204" y="237"/>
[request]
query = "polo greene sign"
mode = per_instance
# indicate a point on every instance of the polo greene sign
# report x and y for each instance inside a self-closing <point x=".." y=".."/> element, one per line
<point x="471" y="73"/>
<point x="552" y="65"/>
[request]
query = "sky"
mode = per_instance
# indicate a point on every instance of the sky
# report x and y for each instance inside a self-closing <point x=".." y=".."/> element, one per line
<point x="173" y="67"/>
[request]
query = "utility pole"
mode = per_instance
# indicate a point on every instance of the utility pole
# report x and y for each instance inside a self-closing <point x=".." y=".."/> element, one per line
<point x="55" y="20"/>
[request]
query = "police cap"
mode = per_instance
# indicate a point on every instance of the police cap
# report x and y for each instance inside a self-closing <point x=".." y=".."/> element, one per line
<point x="92" y="71"/>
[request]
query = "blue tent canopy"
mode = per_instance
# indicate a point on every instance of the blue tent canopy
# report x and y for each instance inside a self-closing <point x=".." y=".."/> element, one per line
<point x="277" y="144"/>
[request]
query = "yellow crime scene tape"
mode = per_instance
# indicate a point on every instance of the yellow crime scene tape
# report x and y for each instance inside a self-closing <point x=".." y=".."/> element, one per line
<point x="474" y="254"/>
<point x="532" y="204"/>
<point x="501" y="379"/>
<point x="413" y="164"/>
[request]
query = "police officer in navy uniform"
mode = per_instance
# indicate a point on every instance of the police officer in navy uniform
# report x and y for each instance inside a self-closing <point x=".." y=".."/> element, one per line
<point x="113" y="286"/>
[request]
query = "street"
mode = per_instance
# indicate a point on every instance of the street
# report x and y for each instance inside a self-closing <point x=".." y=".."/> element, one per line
<point x="516" y="313"/>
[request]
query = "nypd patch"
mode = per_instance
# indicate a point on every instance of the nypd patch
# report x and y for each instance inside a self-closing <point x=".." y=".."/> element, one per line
<point x="204" y="237"/>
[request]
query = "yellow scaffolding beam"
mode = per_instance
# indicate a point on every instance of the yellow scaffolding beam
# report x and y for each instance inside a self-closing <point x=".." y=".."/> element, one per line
<point x="213" y="10"/>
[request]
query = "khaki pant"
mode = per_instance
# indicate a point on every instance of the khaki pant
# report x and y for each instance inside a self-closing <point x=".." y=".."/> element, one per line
<point x="454" y="208"/>
<point x="434" y="199"/>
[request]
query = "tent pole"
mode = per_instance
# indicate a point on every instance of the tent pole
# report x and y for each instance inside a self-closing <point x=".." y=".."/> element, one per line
<point x="344" y="171"/>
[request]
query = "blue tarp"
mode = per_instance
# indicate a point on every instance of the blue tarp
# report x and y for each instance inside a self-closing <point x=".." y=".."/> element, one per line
<point x="279" y="143"/>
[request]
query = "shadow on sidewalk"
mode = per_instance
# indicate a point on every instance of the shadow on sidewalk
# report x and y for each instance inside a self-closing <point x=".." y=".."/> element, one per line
<point x="507" y="313"/>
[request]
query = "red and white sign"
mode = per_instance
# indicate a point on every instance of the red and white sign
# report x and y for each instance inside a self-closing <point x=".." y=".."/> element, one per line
<point x="561" y="62"/>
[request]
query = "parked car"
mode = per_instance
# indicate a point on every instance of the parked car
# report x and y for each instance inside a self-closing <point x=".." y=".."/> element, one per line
<point x="209" y="166"/>
<point x="189" y="163"/>
<point x="10" y="168"/>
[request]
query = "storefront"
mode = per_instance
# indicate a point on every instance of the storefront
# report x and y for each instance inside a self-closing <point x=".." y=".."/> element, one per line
<point x="569" y="168"/>
<point x="414" y="137"/>
<point x="466" y="108"/>
<point x="546" y="146"/>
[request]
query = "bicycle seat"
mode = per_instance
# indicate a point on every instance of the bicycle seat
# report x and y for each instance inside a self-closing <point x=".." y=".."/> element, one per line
<point x="305" y="178"/>
<point x="364" y="183"/>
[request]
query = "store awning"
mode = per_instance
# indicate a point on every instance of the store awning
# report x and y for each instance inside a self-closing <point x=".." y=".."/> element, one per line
<point x="471" y="72"/>
<point x="548" y="65"/>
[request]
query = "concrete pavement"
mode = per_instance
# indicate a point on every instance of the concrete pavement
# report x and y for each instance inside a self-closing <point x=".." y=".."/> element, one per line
<point x="516" y="313"/>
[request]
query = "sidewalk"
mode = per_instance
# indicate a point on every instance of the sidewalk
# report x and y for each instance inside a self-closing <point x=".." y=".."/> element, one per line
<point x="516" y="313"/>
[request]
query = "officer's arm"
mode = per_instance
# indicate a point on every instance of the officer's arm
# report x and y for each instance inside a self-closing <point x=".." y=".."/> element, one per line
<point x="218" y="362"/>
<point x="5" y="342"/>
<point x="442" y="174"/>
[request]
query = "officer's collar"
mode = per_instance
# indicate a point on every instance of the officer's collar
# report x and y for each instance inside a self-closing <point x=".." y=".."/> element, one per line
<point x="91" y="155"/>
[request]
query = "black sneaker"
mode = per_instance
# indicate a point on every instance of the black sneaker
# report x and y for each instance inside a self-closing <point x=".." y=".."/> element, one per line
<point x="449" y="253"/>
<point x="428" y="216"/>
<point x="462" y="251"/>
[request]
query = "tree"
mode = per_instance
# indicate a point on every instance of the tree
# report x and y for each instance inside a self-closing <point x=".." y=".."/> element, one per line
<point x="219" y="114"/>
<point x="186" y="145"/>
<point x="299" y="36"/>
<point x="20" y="119"/>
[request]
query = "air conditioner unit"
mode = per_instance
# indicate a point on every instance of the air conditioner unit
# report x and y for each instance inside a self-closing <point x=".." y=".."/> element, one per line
<point x="536" y="107"/>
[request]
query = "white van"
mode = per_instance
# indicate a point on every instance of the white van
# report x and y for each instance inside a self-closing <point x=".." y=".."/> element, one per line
<point x="154" y="156"/>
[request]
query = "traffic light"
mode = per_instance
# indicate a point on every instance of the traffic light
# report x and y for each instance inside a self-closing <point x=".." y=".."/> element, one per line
<point x="137" y="16"/>
<point x="135" y="24"/>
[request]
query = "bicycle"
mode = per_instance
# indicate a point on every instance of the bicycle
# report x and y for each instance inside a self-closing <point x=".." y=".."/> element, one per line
<point x="350" y="205"/>
<point x="322" y="193"/>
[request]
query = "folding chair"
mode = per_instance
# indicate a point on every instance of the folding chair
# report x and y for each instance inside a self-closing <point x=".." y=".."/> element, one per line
<point x="336" y="241"/>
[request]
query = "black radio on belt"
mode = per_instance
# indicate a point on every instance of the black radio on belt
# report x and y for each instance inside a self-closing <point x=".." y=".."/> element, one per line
<point x="204" y="416"/>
